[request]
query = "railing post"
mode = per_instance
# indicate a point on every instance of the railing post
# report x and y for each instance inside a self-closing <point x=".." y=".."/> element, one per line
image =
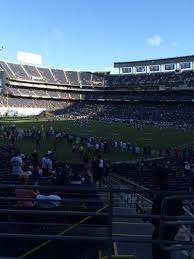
<point x="110" y="223"/>
<point x="190" y="239"/>
<point x="9" y="217"/>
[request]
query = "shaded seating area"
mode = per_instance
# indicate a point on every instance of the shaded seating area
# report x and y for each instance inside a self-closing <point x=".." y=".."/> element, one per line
<point x="178" y="179"/>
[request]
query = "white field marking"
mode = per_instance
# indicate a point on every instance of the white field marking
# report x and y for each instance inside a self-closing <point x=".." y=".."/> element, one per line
<point x="146" y="139"/>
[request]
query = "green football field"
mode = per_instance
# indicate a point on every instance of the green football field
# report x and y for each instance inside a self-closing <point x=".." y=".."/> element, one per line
<point x="119" y="131"/>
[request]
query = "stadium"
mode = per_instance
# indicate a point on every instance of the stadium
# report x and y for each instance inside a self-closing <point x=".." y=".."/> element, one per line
<point x="145" y="98"/>
<point x="95" y="163"/>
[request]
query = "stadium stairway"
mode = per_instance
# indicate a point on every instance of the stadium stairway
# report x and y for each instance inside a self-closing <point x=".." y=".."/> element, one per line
<point x="133" y="228"/>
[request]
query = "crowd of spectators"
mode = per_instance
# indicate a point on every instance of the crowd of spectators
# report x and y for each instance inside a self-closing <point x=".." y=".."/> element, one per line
<point x="143" y="96"/>
<point x="93" y="169"/>
<point x="180" y="115"/>
<point x="89" y="150"/>
<point x="146" y="113"/>
<point x="153" y="80"/>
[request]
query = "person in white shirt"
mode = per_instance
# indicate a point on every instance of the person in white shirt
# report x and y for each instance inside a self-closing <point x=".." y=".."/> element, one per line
<point x="46" y="164"/>
<point x="97" y="146"/>
<point x="100" y="169"/>
<point x="16" y="164"/>
<point x="47" y="201"/>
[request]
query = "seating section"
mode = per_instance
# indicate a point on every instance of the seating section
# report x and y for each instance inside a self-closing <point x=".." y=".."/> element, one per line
<point x="128" y="91"/>
<point x="134" y="97"/>
<point x="59" y="76"/>
<point x="85" y="78"/>
<point x="14" y="91"/>
<point x="98" y="79"/>
<point x="151" y="112"/>
<point x="51" y="76"/>
<point x="40" y="93"/>
<point x="49" y="218"/>
<point x="151" y="81"/>
<point x="53" y="94"/>
<point x="18" y="71"/>
<point x="31" y="103"/>
<point x="46" y="74"/>
<point x="25" y="92"/>
<point x="33" y="73"/>
<point x="72" y="77"/>
<point x="7" y="70"/>
<point x="141" y="173"/>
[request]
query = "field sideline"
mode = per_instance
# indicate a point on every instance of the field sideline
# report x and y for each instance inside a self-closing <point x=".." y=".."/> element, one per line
<point x="119" y="131"/>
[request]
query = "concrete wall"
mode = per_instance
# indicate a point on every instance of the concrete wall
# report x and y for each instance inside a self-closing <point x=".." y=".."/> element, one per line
<point x="21" y="111"/>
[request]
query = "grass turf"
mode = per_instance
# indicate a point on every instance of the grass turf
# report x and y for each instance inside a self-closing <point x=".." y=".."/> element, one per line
<point x="147" y="136"/>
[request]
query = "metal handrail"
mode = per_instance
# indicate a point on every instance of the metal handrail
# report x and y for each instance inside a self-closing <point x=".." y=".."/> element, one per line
<point x="90" y="190"/>
<point x="165" y="220"/>
<point x="178" y="222"/>
<point x="164" y="223"/>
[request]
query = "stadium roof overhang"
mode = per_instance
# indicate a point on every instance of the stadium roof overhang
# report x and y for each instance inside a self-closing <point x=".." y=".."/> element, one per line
<point x="161" y="61"/>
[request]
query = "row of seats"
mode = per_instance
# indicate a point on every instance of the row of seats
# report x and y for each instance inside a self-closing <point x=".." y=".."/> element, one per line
<point x="95" y="79"/>
<point x="41" y="93"/>
<point x="31" y="103"/>
<point x="52" y="76"/>
<point x="133" y="96"/>
<point x="178" y="179"/>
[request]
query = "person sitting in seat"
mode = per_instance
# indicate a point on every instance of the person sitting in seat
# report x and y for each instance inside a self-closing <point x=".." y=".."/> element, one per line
<point x="48" y="201"/>
<point x="25" y="193"/>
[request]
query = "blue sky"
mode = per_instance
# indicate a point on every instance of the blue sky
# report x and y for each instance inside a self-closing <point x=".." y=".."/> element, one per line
<point x="92" y="34"/>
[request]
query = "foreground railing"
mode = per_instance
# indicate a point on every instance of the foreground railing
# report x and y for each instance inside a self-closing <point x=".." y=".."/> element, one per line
<point x="133" y="192"/>
<point x="142" y="202"/>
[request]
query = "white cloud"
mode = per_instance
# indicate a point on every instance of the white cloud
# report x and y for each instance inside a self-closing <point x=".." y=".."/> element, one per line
<point x="155" y="40"/>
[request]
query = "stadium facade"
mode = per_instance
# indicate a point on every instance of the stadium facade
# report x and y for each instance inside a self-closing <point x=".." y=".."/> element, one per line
<point x="28" y="90"/>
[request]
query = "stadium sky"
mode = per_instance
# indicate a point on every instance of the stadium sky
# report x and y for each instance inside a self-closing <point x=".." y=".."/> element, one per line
<point x="92" y="34"/>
